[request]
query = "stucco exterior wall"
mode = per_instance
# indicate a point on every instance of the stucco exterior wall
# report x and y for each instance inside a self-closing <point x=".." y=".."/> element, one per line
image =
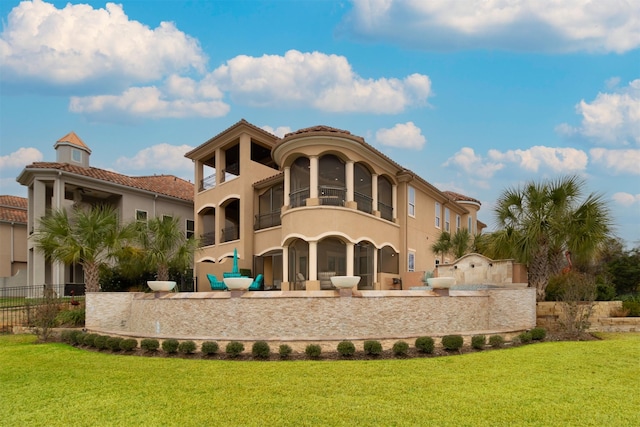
<point x="317" y="315"/>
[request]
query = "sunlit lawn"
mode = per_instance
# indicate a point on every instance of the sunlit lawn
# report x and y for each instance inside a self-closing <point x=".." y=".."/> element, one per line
<point x="591" y="383"/>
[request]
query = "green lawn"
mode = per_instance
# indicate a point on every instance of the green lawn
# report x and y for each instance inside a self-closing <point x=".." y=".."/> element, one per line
<point x="591" y="383"/>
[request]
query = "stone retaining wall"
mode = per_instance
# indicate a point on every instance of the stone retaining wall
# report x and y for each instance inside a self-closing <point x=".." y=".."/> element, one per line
<point x="550" y="314"/>
<point x="312" y="316"/>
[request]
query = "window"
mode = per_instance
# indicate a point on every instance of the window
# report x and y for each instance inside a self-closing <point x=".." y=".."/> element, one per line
<point x="469" y="225"/>
<point x="76" y="155"/>
<point x="411" y="261"/>
<point x="437" y="215"/>
<point x="447" y="222"/>
<point x="141" y="216"/>
<point x="166" y="218"/>
<point x="191" y="228"/>
<point x="412" y="201"/>
<point x="458" y="223"/>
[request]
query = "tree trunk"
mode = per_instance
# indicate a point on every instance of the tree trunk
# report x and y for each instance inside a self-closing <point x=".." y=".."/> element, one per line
<point x="163" y="272"/>
<point x="539" y="271"/>
<point x="91" y="277"/>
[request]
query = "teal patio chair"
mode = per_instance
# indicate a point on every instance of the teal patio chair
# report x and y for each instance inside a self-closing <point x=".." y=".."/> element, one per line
<point x="257" y="284"/>
<point x="215" y="284"/>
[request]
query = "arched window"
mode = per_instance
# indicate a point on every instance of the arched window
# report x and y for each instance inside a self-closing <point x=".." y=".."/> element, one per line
<point x="385" y="198"/>
<point x="331" y="181"/>
<point x="388" y="260"/>
<point x="269" y="207"/>
<point x="332" y="260"/>
<point x="231" y="230"/>
<point x="362" y="188"/>
<point x="299" y="182"/>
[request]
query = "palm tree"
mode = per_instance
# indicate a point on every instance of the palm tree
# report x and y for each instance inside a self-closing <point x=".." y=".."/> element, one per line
<point x="540" y="221"/>
<point x="89" y="237"/>
<point x="163" y="244"/>
<point x="443" y="245"/>
<point x="460" y="242"/>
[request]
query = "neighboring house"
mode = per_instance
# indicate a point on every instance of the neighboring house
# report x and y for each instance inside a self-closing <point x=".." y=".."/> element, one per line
<point x="72" y="182"/>
<point x="13" y="241"/>
<point x="317" y="203"/>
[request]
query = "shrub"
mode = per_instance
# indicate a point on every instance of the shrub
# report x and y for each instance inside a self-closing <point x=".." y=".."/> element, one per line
<point x="260" y="350"/>
<point x="633" y="305"/>
<point x="113" y="343"/>
<point x="100" y="342"/>
<point x="128" y="344"/>
<point x="170" y="345"/>
<point x="78" y="338"/>
<point x="65" y="336"/>
<point x="71" y="317"/>
<point x="525" y="337"/>
<point x="346" y="348"/>
<point x="538" y="334"/>
<point x="88" y="339"/>
<point x="234" y="348"/>
<point x="373" y="348"/>
<point x="313" y="351"/>
<point x="496" y="341"/>
<point x="285" y="351"/>
<point x="605" y="292"/>
<point x="43" y="317"/>
<point x="425" y="344"/>
<point x="187" y="347"/>
<point x="400" y="348"/>
<point x="478" y="342"/>
<point x="149" y="344"/>
<point x="452" y="342"/>
<point x="210" y="347"/>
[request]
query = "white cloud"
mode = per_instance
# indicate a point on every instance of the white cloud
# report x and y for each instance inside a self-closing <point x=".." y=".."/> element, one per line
<point x="541" y="25"/>
<point x="20" y="158"/>
<point x="317" y="80"/>
<point x="164" y="157"/>
<point x="617" y="161"/>
<point x="473" y="164"/>
<point x="79" y="44"/>
<point x="402" y="135"/>
<point x="280" y="131"/>
<point x="612" y="118"/>
<point x="181" y="97"/>
<point x="537" y="157"/>
<point x="626" y="199"/>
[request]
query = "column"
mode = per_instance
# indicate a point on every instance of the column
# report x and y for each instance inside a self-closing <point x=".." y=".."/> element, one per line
<point x="285" y="264"/>
<point x="349" y="180"/>
<point x="374" y="193"/>
<point x="350" y="251"/>
<point x="313" y="260"/>
<point x="394" y="200"/>
<point x="313" y="177"/>
<point x="219" y="167"/>
<point x="375" y="267"/>
<point x="287" y="186"/>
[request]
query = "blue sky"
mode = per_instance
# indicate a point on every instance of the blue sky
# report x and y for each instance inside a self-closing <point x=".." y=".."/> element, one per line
<point x="474" y="96"/>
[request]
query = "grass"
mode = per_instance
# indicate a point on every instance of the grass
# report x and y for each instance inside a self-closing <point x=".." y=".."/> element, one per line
<point x="592" y="383"/>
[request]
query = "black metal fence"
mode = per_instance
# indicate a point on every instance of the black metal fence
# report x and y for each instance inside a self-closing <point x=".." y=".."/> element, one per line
<point x="20" y="304"/>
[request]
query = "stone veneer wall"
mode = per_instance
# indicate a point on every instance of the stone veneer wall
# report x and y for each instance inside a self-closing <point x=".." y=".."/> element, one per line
<point x="310" y="316"/>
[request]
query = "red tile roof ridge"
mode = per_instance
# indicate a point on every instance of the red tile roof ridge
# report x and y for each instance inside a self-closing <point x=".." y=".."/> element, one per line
<point x="318" y="128"/>
<point x="457" y="197"/>
<point x="73" y="139"/>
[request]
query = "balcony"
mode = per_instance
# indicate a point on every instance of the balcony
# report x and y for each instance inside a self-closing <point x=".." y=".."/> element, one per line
<point x="386" y="211"/>
<point x="207" y="239"/>
<point x="297" y="198"/>
<point x="365" y="203"/>
<point x="266" y="220"/>
<point x="331" y="196"/>
<point x="230" y="233"/>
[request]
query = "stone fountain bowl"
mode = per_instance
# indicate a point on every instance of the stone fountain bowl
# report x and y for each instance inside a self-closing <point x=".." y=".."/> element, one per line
<point x="345" y="282"/>
<point x="161" y="285"/>
<point x="441" y="282"/>
<point x="238" y="283"/>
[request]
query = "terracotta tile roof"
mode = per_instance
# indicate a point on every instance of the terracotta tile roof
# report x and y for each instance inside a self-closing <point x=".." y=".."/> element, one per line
<point x="13" y="209"/>
<point x="457" y="197"/>
<point x="73" y="139"/>
<point x="319" y="128"/>
<point x="168" y="185"/>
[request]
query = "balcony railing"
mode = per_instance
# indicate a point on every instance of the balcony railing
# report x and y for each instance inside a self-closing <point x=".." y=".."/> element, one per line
<point x="331" y="196"/>
<point x="230" y="233"/>
<point x="208" y="182"/>
<point x="365" y="203"/>
<point x="208" y="239"/>
<point x="297" y="198"/>
<point x="386" y="211"/>
<point x="266" y="220"/>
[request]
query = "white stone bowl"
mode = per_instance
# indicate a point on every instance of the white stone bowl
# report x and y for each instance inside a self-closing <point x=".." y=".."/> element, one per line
<point x="238" y="283"/>
<point x="441" y="282"/>
<point x="345" y="282"/>
<point x="161" y="285"/>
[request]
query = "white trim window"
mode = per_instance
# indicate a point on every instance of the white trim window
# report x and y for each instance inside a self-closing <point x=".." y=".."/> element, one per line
<point x="76" y="155"/>
<point x="411" y="261"/>
<point x="141" y="216"/>
<point x="437" y="215"/>
<point x="447" y="219"/>
<point x="412" y="201"/>
<point x="190" y="228"/>
<point x="458" y="223"/>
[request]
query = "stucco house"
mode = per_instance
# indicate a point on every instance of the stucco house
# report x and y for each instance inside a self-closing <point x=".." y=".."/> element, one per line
<point x="316" y="203"/>
<point x="71" y="181"/>
<point x="13" y="241"/>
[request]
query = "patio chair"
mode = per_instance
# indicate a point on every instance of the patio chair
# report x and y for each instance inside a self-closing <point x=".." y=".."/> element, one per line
<point x="257" y="284"/>
<point x="215" y="284"/>
<point x="302" y="281"/>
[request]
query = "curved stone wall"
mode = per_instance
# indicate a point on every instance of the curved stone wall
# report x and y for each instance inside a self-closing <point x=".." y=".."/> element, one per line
<point x="310" y="316"/>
